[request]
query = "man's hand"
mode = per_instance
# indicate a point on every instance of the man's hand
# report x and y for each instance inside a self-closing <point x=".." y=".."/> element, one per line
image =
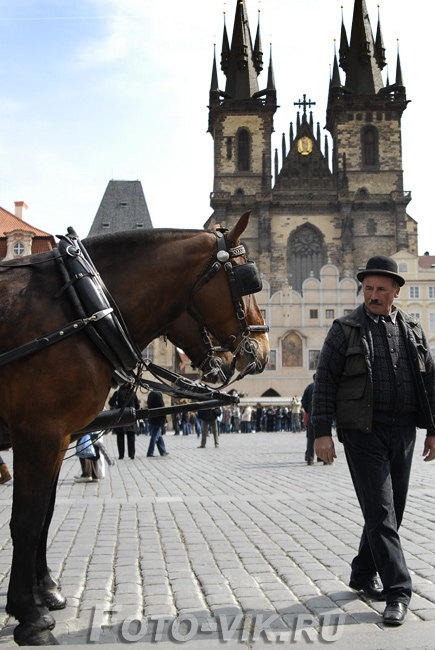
<point x="429" y="448"/>
<point x="324" y="449"/>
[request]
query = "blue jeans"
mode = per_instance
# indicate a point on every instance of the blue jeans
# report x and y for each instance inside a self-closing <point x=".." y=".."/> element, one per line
<point x="156" y="439"/>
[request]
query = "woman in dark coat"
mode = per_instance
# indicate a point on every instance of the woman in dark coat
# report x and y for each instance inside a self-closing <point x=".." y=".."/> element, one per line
<point x="121" y="398"/>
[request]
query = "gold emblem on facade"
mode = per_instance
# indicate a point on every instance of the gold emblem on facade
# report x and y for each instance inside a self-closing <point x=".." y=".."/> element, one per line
<point x="305" y="145"/>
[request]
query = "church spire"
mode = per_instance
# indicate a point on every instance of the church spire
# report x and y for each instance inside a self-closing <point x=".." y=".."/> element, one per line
<point x="379" y="45"/>
<point x="344" y="45"/>
<point x="225" y="55"/>
<point x="214" y="86"/>
<point x="241" y="72"/>
<point x="363" y="72"/>
<point x="258" y="51"/>
<point x="399" y="77"/>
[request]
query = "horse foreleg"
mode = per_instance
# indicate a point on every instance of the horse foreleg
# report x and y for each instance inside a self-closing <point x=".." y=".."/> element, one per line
<point x="47" y="585"/>
<point x="31" y="503"/>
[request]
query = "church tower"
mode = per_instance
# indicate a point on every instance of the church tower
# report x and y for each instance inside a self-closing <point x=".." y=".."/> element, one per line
<point x="364" y="119"/>
<point x="241" y="119"/>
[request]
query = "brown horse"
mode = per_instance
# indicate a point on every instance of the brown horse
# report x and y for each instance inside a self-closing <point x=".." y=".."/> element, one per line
<point x="46" y="397"/>
<point x="214" y="362"/>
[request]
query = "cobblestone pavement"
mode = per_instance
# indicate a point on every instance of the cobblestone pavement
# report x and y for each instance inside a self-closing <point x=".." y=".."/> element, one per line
<point x="244" y="543"/>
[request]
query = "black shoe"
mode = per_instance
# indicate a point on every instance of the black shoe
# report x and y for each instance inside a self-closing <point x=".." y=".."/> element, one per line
<point x="310" y="462"/>
<point x="394" y="613"/>
<point x="166" y="453"/>
<point x="372" y="588"/>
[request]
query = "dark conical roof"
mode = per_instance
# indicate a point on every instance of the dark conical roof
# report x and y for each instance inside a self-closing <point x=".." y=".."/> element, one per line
<point x="241" y="71"/>
<point x="123" y="207"/>
<point x="363" y="74"/>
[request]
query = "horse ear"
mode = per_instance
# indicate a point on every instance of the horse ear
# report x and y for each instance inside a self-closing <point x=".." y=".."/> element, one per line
<point x="239" y="228"/>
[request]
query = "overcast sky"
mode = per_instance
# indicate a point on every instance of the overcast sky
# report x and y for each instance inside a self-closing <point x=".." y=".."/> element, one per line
<point x="94" y="90"/>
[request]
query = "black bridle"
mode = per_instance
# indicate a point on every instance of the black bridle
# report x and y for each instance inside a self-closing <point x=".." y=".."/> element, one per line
<point x="243" y="279"/>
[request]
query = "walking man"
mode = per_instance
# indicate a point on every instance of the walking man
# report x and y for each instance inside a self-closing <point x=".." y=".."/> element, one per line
<point x="376" y="376"/>
<point x="155" y="400"/>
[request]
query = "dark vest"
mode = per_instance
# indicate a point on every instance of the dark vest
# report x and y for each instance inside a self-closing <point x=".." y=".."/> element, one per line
<point x="355" y="404"/>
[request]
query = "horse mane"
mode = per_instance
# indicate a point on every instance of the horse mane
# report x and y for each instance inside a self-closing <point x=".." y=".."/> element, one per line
<point x="146" y="236"/>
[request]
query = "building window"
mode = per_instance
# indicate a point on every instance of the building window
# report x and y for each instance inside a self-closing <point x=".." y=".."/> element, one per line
<point x="243" y="151"/>
<point x="313" y="357"/>
<point x="432" y="321"/>
<point x="229" y="148"/>
<point x="271" y="365"/>
<point x="346" y="312"/>
<point x="18" y="248"/>
<point x="414" y="292"/>
<point x="263" y="313"/>
<point x="415" y="314"/>
<point x="292" y="350"/>
<point x="306" y="254"/>
<point x="433" y="353"/>
<point x="403" y="267"/>
<point x="329" y="313"/>
<point x="314" y="313"/>
<point x="370" y="146"/>
<point x="431" y="293"/>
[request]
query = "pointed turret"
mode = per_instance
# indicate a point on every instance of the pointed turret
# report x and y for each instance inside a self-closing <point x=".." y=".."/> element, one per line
<point x="344" y="45"/>
<point x="214" y="86"/>
<point x="271" y="88"/>
<point x="363" y="74"/>
<point x="379" y="45"/>
<point x="241" y="73"/>
<point x="225" y="55"/>
<point x="258" y="50"/>
<point x="399" y="77"/>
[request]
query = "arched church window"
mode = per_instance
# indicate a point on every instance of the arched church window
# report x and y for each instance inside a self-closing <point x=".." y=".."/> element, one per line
<point x="370" y="146"/>
<point x="292" y="350"/>
<point x="243" y="151"/>
<point x="306" y="254"/>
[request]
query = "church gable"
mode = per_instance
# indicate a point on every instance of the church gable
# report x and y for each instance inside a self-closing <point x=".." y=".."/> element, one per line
<point x="305" y="166"/>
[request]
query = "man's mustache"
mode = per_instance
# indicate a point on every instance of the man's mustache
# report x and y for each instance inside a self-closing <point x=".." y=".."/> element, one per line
<point x="374" y="301"/>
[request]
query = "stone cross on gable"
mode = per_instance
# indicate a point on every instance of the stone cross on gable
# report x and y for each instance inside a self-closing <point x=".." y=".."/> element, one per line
<point x="304" y="103"/>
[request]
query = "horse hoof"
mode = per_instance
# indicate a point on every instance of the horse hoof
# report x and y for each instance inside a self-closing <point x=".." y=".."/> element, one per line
<point x="53" y="599"/>
<point x="27" y="634"/>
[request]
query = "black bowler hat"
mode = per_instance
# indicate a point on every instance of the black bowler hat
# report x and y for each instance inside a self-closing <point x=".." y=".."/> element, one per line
<point x="381" y="265"/>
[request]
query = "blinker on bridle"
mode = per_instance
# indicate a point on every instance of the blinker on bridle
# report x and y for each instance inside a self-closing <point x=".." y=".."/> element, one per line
<point x="243" y="280"/>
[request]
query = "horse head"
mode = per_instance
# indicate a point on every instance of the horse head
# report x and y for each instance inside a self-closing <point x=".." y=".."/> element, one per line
<point x="213" y="361"/>
<point x="228" y="308"/>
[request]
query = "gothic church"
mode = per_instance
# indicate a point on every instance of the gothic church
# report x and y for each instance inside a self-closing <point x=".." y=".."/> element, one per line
<point x="318" y="216"/>
<point x="310" y="211"/>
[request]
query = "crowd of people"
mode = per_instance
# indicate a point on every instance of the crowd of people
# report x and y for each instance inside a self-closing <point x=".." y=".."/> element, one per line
<point x="245" y="419"/>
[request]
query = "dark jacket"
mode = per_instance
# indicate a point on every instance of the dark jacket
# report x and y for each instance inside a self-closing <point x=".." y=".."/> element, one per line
<point x="123" y="398"/>
<point x="343" y="387"/>
<point x="307" y="401"/>
<point x="155" y="400"/>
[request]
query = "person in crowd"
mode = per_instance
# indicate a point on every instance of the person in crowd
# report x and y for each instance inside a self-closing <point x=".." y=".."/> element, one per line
<point x="278" y="419"/>
<point x="270" y="418"/>
<point x="156" y="425"/>
<point x="296" y="414"/>
<point x="226" y="419"/>
<point x="125" y="397"/>
<point x="246" y="419"/>
<point x="307" y="402"/>
<point x="235" y="420"/>
<point x="209" y="421"/>
<point x="375" y="375"/>
<point x="4" y="472"/>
